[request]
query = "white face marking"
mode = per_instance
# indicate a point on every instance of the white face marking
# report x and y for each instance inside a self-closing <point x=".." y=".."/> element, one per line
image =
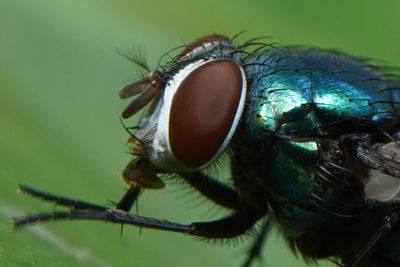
<point x="161" y="153"/>
<point x="381" y="186"/>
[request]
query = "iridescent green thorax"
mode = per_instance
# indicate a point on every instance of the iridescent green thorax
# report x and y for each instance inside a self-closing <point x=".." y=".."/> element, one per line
<point x="296" y="92"/>
<point x="296" y="99"/>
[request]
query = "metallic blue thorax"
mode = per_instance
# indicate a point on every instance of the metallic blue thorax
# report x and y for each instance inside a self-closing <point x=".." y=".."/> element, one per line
<point x="293" y="91"/>
<point x="295" y="98"/>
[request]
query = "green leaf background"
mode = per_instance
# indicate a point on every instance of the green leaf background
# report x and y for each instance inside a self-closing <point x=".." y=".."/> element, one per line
<point x="59" y="114"/>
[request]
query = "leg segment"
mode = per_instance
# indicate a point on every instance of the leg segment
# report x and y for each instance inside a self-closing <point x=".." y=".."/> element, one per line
<point x="142" y="174"/>
<point x="255" y="249"/>
<point x="230" y="226"/>
<point x="374" y="242"/>
<point x="214" y="190"/>
<point x="129" y="198"/>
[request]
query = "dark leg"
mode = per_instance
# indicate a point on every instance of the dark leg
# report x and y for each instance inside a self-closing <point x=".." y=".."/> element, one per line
<point x="236" y="224"/>
<point x="255" y="249"/>
<point x="59" y="200"/>
<point x="373" y="242"/>
<point x="214" y="190"/>
<point x="142" y="174"/>
<point x="209" y="187"/>
<point x="139" y="174"/>
<point x="129" y="198"/>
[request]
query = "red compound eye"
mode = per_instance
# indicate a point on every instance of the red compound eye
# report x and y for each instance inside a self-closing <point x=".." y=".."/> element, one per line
<point x="203" y="110"/>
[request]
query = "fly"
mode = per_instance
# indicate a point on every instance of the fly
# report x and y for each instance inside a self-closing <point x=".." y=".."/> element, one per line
<point x="312" y="138"/>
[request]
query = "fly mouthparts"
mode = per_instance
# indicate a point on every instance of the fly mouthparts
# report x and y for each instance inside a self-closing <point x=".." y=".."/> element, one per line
<point x="140" y="172"/>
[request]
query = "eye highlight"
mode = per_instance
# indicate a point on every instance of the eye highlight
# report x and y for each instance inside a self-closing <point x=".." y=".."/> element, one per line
<point x="203" y="111"/>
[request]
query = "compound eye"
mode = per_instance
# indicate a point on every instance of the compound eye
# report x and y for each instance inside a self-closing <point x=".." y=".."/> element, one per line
<point x="203" y="112"/>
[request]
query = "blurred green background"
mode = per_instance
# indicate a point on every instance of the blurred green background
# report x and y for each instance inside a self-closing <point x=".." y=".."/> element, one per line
<point x="59" y="109"/>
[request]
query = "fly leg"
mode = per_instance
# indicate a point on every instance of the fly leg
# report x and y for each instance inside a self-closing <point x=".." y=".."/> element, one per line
<point x="227" y="197"/>
<point x="255" y="250"/>
<point x="139" y="174"/>
<point x="59" y="200"/>
<point x="129" y="198"/>
<point x="214" y="190"/>
<point x="370" y="247"/>
<point x="231" y="226"/>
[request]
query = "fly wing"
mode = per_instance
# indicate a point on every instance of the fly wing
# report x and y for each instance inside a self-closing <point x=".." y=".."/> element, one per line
<point x="384" y="182"/>
<point x="381" y="165"/>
